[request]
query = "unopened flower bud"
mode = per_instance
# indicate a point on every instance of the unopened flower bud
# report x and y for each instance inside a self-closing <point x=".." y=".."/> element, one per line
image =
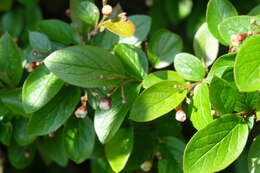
<point x="30" y="66"/>
<point x="253" y="21"/>
<point x="68" y="12"/>
<point x="237" y="39"/>
<point x="122" y="16"/>
<point x="124" y="100"/>
<point x="26" y="155"/>
<point x="81" y="112"/>
<point x="180" y="115"/>
<point x="107" y="10"/>
<point x="105" y="104"/>
<point x="146" y="166"/>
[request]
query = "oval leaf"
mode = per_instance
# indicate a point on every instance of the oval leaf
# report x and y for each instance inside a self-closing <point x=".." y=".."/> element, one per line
<point x="216" y="146"/>
<point x="247" y="66"/>
<point x="157" y="101"/>
<point x="39" y="88"/>
<point x="254" y="156"/>
<point x="39" y="41"/>
<point x="86" y="66"/>
<point x="189" y="67"/>
<point x="124" y="28"/>
<point x="87" y="12"/>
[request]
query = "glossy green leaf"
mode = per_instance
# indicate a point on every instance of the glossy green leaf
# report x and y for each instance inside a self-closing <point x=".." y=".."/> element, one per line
<point x="205" y="45"/>
<point x="12" y="22"/>
<point x="201" y="107"/>
<point x="123" y="28"/>
<point x="247" y="66"/>
<point x="255" y="11"/>
<point x="108" y="122"/>
<point x="237" y="25"/>
<point x="39" y="88"/>
<point x="87" y="12"/>
<point x="39" y="41"/>
<point x="119" y="148"/>
<point x="189" y="67"/>
<point x="53" y="148"/>
<point x="6" y="130"/>
<point x="19" y="132"/>
<point x="254" y="156"/>
<point x="21" y="156"/>
<point x="142" y="27"/>
<point x="157" y="101"/>
<point x="222" y="95"/>
<point x="10" y="61"/>
<point x="163" y="47"/>
<point x="220" y="65"/>
<point x="247" y="101"/>
<point x="59" y="31"/>
<point x="79" y="139"/>
<point x="133" y="59"/>
<point x="159" y="76"/>
<point x="216" y="146"/>
<point x="105" y="39"/>
<point x="55" y="113"/>
<point x="217" y="11"/>
<point x="86" y="66"/>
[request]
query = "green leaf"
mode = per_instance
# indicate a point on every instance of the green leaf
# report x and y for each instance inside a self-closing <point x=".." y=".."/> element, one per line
<point x="201" y="107"/>
<point x="21" y="156"/>
<point x="133" y="59"/>
<point x="216" y="146"/>
<point x="12" y="22"/>
<point x="254" y="156"/>
<point x="247" y="66"/>
<point x="60" y="31"/>
<point x="222" y="95"/>
<point x="105" y="39"/>
<point x="6" y="5"/>
<point x="189" y="67"/>
<point x="99" y="165"/>
<point x="159" y="76"/>
<point x="255" y="11"/>
<point x="217" y="11"/>
<point x="19" y="132"/>
<point x="108" y="122"/>
<point x="12" y="99"/>
<point x="247" y="101"/>
<point x="6" y="130"/>
<point x="220" y="65"/>
<point x="10" y="61"/>
<point x="142" y="27"/>
<point x="39" y="41"/>
<point x="236" y="25"/>
<point x="79" y="139"/>
<point x="87" y="12"/>
<point x="55" y="113"/>
<point x="86" y="66"/>
<point x="157" y="101"/>
<point x="53" y="148"/>
<point x="39" y="88"/>
<point x="205" y="45"/>
<point x="168" y="166"/>
<point x="163" y="47"/>
<point x="119" y="148"/>
<point x="32" y="15"/>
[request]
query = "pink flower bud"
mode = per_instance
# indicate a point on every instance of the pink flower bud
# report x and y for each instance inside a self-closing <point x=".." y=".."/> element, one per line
<point x="180" y="115"/>
<point x="107" y="10"/>
<point x="81" y="112"/>
<point x="237" y="39"/>
<point x="105" y="104"/>
<point x="146" y="166"/>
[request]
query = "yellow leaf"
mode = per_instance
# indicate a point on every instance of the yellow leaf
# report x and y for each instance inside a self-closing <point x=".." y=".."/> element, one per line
<point x="124" y="28"/>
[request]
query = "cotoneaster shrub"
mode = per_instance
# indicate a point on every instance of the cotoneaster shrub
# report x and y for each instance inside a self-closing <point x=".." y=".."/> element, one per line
<point x="126" y="94"/>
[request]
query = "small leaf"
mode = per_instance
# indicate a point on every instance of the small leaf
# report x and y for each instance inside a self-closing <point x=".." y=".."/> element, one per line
<point x="108" y="122"/>
<point x="157" y="101"/>
<point x="226" y="136"/>
<point x="237" y="25"/>
<point x="6" y="130"/>
<point x="189" y="67"/>
<point x="39" y="88"/>
<point x="159" y="76"/>
<point x="133" y="59"/>
<point x="142" y="25"/>
<point x="79" y="139"/>
<point x="60" y="31"/>
<point x="163" y="47"/>
<point x="119" y="148"/>
<point x="124" y="28"/>
<point x="21" y="156"/>
<point x="220" y="65"/>
<point x="19" y="132"/>
<point x="205" y="45"/>
<point x="39" y="41"/>
<point x="87" y="12"/>
<point x="55" y="113"/>
<point x="217" y="11"/>
<point x="247" y="66"/>
<point x="86" y="66"/>
<point x="254" y="156"/>
<point x="10" y="61"/>
<point x="201" y="107"/>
